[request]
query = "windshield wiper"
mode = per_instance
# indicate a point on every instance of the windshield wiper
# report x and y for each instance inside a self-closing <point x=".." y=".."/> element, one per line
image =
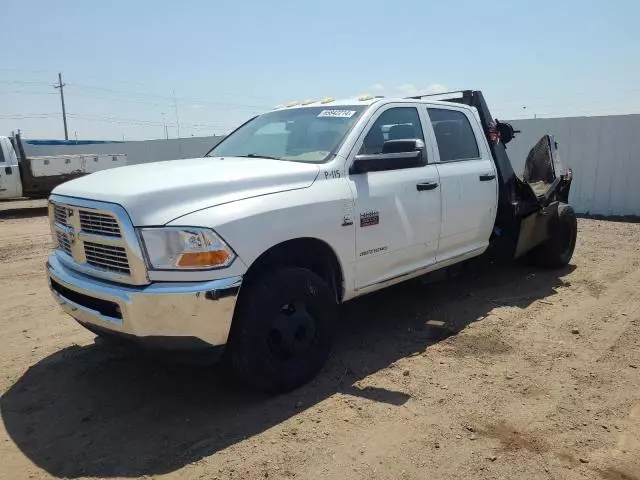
<point x="255" y="155"/>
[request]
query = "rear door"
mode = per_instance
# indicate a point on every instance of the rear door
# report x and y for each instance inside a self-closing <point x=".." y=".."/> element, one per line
<point x="468" y="182"/>
<point x="397" y="217"/>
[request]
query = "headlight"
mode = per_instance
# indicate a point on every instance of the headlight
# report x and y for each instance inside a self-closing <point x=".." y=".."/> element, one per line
<point x="185" y="248"/>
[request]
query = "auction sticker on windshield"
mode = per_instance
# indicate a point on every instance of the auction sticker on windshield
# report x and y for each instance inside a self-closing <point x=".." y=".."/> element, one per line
<point x="337" y="113"/>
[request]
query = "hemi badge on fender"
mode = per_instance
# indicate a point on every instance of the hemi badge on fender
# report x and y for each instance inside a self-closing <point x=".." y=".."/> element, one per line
<point x="370" y="218"/>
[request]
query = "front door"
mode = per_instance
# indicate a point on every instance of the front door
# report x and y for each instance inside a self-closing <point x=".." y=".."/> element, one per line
<point x="468" y="183"/>
<point x="397" y="217"/>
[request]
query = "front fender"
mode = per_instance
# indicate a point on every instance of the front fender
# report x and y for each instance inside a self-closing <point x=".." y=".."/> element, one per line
<point x="253" y="226"/>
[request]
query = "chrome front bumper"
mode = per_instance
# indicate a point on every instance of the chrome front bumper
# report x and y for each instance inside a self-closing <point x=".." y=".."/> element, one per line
<point x="201" y="311"/>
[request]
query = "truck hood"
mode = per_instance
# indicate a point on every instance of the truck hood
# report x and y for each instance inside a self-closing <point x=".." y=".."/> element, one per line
<point x="156" y="193"/>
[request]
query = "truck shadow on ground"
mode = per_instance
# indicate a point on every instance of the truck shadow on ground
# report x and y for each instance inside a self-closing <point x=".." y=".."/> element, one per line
<point x="92" y="411"/>
<point x="23" y="212"/>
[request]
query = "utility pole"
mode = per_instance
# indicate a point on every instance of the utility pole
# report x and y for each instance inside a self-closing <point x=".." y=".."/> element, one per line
<point x="164" y="124"/>
<point x="61" y="86"/>
<point x="175" y="108"/>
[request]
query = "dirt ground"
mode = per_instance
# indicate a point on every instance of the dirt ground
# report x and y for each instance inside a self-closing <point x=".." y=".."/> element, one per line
<point x="534" y="375"/>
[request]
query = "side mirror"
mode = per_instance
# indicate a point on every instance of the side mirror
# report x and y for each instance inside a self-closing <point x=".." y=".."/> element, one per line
<point x="396" y="154"/>
<point x="403" y="146"/>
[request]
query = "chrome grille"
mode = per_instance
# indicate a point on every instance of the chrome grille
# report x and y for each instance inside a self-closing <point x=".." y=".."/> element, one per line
<point x="64" y="243"/>
<point x="97" y="239"/>
<point x="99" y="223"/>
<point x="107" y="257"/>
<point x="61" y="215"/>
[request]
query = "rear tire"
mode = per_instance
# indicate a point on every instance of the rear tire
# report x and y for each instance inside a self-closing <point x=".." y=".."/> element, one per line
<point x="283" y="330"/>
<point x="557" y="250"/>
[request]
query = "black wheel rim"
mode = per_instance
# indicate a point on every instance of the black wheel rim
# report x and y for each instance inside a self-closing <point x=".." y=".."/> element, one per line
<point x="292" y="331"/>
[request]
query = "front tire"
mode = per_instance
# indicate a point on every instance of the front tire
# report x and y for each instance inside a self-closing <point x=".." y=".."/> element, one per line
<point x="557" y="250"/>
<point x="283" y="330"/>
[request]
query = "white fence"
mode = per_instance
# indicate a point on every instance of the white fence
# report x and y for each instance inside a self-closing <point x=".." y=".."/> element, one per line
<point x="604" y="153"/>
<point x="137" y="152"/>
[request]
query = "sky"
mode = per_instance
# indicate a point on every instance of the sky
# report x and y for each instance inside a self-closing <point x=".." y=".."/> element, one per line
<point x="203" y="67"/>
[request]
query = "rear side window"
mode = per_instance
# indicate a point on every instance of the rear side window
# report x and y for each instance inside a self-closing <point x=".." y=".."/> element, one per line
<point x="455" y="137"/>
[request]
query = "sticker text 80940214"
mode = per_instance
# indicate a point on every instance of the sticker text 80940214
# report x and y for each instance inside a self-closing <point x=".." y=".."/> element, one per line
<point x="337" y="113"/>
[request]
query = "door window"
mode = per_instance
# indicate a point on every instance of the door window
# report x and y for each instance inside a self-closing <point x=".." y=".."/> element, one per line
<point x="454" y="135"/>
<point x="398" y="123"/>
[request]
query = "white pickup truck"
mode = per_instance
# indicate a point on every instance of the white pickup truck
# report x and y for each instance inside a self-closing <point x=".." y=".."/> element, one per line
<point x="36" y="177"/>
<point x="252" y="248"/>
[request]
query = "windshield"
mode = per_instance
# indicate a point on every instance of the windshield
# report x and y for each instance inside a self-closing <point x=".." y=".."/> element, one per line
<point x="309" y="134"/>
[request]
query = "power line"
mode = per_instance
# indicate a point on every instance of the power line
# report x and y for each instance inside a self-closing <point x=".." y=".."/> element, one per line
<point x="108" y="119"/>
<point x="25" y="92"/>
<point x="166" y="97"/>
<point x="94" y="87"/>
<point x="127" y="100"/>
<point x="124" y="82"/>
<point x="9" y="116"/>
<point x="169" y="100"/>
<point x="122" y="100"/>
<point x="134" y="121"/>
<point x="26" y="70"/>
<point x="24" y="82"/>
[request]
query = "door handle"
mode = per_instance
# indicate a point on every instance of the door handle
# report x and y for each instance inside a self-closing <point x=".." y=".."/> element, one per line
<point x="426" y="186"/>
<point x="486" y="177"/>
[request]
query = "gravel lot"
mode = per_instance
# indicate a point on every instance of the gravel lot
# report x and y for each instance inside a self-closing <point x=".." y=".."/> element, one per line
<point x="533" y="374"/>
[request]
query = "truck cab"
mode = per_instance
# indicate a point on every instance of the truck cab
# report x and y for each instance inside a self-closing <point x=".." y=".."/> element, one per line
<point x="10" y="182"/>
<point x="438" y="208"/>
<point x="252" y="248"/>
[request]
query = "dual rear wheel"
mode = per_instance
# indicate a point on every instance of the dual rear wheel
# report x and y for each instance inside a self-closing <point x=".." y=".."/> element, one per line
<point x="557" y="250"/>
